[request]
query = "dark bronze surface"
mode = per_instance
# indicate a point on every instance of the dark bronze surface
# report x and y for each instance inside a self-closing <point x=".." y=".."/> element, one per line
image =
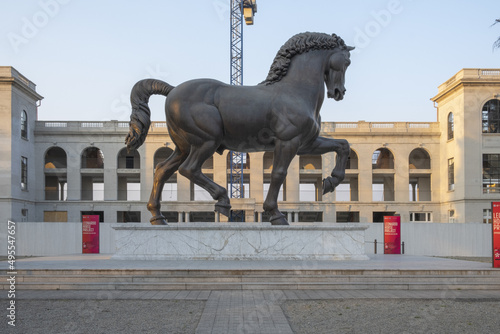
<point x="280" y="115"/>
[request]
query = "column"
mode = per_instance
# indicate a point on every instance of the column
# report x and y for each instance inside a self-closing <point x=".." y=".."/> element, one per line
<point x="292" y="181"/>
<point x="110" y="172"/>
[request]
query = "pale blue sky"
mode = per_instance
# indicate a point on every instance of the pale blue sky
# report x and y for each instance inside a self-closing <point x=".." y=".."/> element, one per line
<point x="85" y="56"/>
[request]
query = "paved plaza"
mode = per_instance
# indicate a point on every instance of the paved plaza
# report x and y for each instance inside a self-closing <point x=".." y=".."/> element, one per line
<point x="254" y="311"/>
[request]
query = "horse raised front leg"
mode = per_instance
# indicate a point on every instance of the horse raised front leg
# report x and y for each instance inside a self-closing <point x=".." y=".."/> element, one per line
<point x="163" y="172"/>
<point x="324" y="145"/>
<point x="283" y="155"/>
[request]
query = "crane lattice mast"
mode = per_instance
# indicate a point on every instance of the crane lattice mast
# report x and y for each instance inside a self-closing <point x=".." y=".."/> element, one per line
<point x="240" y="9"/>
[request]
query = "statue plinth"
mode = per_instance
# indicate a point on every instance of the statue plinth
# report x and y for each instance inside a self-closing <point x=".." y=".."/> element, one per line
<point x="240" y="241"/>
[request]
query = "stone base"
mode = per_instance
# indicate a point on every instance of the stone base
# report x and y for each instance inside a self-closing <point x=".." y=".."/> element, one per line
<point x="240" y="241"/>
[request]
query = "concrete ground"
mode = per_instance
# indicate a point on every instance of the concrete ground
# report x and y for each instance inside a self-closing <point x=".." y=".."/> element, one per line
<point x="255" y="311"/>
<point x="252" y="311"/>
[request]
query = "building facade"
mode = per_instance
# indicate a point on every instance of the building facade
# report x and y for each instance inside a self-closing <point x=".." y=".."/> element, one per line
<point x="442" y="171"/>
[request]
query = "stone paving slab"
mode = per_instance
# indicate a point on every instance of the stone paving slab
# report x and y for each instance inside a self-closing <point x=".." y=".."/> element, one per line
<point x="248" y="311"/>
<point x="376" y="262"/>
<point x="273" y="295"/>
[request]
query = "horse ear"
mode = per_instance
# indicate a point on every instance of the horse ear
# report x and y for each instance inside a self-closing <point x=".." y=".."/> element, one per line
<point x="350" y="48"/>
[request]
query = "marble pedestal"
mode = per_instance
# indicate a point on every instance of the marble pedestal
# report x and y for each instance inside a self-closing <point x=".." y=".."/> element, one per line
<point x="240" y="241"/>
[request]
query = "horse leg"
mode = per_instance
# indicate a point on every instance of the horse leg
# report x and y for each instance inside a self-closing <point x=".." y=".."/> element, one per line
<point x="163" y="171"/>
<point x="283" y="155"/>
<point x="191" y="168"/>
<point x="323" y="145"/>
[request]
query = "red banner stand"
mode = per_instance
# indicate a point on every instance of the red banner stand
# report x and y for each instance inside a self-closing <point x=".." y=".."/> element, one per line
<point x="90" y="233"/>
<point x="495" y="215"/>
<point x="392" y="235"/>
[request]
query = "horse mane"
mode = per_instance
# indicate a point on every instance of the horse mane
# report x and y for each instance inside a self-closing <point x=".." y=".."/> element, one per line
<point x="298" y="44"/>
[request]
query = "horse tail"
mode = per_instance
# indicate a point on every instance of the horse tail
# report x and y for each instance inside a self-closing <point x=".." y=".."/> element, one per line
<point x="140" y="119"/>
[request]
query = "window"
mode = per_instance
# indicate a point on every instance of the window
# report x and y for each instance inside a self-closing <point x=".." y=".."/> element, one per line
<point x="420" y="216"/>
<point x="451" y="126"/>
<point x="128" y="216"/>
<point x="451" y="174"/>
<point x="92" y="188"/>
<point x="352" y="161"/>
<point x="24" y="173"/>
<point x="202" y="217"/>
<point x="92" y="157"/>
<point x="169" y="192"/>
<point x="491" y="116"/>
<point x="308" y="192"/>
<point x="419" y="159"/>
<point x="347" y="216"/>
<point x="382" y="159"/>
<point x="129" y="162"/>
<point x="24" y="124"/>
<point x="491" y="173"/>
<point x="451" y="216"/>
<point x="487" y="216"/>
<point x="310" y="216"/>
<point x="55" y="216"/>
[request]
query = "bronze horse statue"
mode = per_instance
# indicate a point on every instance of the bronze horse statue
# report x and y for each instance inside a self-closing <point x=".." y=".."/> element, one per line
<point x="280" y="115"/>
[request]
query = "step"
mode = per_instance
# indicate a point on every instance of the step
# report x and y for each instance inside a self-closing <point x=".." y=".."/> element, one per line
<point x="254" y="286"/>
<point x="448" y="279"/>
<point x="252" y="279"/>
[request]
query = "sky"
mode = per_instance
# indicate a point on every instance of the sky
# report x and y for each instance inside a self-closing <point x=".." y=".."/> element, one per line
<point x="85" y="56"/>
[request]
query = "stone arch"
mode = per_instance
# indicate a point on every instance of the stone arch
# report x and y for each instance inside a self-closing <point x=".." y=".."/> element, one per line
<point x="491" y="116"/>
<point x="382" y="158"/>
<point x="92" y="157"/>
<point x="419" y="159"/>
<point x="128" y="160"/>
<point x="55" y="157"/>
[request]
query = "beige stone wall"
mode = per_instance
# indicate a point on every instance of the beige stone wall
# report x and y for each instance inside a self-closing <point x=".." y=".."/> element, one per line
<point x="373" y="192"/>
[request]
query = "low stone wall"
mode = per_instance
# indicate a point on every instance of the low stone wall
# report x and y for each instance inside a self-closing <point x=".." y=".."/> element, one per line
<point x="437" y="239"/>
<point x="433" y="239"/>
<point x="240" y="241"/>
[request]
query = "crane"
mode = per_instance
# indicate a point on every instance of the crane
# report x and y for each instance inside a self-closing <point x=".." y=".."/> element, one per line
<point x="241" y="10"/>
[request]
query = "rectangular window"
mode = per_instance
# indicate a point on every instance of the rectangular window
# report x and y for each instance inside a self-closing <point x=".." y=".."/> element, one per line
<point x="487" y="216"/>
<point x="24" y="173"/>
<point x="55" y="216"/>
<point x="24" y="125"/>
<point x="420" y="216"/>
<point x="128" y="216"/>
<point x="347" y="216"/>
<point x="491" y="173"/>
<point x="310" y="216"/>
<point x="308" y="192"/>
<point x="451" y="174"/>
<point x="451" y="216"/>
<point x="129" y="162"/>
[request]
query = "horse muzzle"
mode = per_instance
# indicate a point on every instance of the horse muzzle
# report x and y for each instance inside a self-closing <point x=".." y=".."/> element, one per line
<point x="337" y="94"/>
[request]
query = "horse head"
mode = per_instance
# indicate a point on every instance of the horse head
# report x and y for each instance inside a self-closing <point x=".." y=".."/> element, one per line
<point x="335" y="73"/>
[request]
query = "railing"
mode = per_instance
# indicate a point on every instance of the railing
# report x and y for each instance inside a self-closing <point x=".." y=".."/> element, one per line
<point x="92" y="124"/>
<point x="363" y="126"/>
<point x="326" y="127"/>
<point x="419" y="125"/>
<point x="382" y="125"/>
<point x="55" y="124"/>
<point x="471" y="74"/>
<point x="490" y="72"/>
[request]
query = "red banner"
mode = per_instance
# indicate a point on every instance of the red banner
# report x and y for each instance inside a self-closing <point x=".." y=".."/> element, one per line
<point x="392" y="235"/>
<point x="495" y="214"/>
<point x="90" y="234"/>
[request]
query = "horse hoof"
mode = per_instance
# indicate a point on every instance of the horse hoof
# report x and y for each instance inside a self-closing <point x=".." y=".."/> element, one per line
<point x="158" y="220"/>
<point x="279" y="220"/>
<point x="328" y="185"/>
<point x="223" y="209"/>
